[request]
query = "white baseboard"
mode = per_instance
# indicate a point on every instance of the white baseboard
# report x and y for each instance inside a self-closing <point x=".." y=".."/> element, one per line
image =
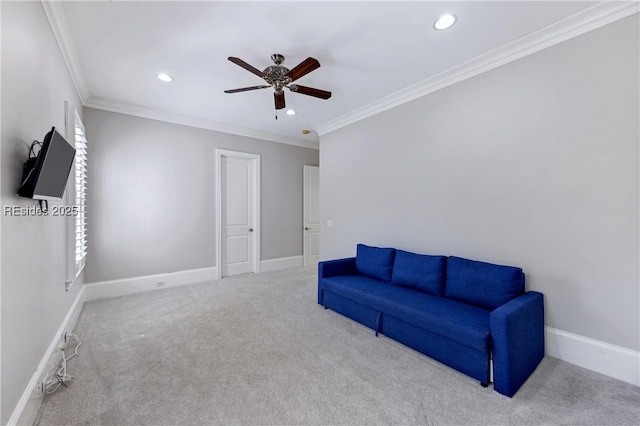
<point x="601" y="357"/>
<point x="126" y="286"/>
<point x="280" y="263"/>
<point x="29" y="404"/>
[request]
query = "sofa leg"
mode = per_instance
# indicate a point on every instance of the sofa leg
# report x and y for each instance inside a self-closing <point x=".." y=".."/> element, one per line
<point x="484" y="385"/>
<point x="378" y="322"/>
<point x="326" y="307"/>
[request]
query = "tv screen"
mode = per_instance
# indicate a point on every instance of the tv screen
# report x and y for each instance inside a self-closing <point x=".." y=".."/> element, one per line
<point x="46" y="178"/>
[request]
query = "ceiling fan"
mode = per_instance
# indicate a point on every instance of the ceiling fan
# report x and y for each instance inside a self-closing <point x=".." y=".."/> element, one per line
<point x="279" y="77"/>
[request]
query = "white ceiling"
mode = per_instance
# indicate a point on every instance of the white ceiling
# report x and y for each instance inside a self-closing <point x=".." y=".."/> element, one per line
<point x="367" y="50"/>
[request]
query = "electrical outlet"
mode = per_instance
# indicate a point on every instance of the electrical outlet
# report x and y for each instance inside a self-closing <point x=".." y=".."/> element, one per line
<point x="65" y="339"/>
<point x="43" y="384"/>
<point x="160" y="283"/>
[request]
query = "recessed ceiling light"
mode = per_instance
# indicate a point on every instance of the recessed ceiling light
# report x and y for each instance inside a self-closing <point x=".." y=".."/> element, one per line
<point x="444" y="22"/>
<point x="165" y="77"/>
<point x="291" y="112"/>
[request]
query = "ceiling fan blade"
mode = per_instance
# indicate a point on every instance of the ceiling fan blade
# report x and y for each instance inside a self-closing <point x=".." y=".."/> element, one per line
<point x="303" y="68"/>
<point x="244" y="89"/>
<point x="310" y="91"/>
<point x="279" y="99"/>
<point x="246" y="66"/>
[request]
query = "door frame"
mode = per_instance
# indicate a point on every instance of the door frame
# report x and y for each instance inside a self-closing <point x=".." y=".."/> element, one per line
<point x="305" y="213"/>
<point x="255" y="159"/>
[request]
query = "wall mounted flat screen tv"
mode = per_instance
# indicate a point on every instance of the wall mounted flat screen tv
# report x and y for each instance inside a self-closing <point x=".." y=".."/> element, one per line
<point x="45" y="176"/>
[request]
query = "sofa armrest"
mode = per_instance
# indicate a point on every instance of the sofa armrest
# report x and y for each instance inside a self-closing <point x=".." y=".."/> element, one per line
<point x="517" y="333"/>
<point x="334" y="268"/>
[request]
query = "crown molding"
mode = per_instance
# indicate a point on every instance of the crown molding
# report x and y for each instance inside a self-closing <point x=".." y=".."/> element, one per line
<point x="57" y="17"/>
<point x="587" y="20"/>
<point x="187" y="120"/>
<point x="582" y="22"/>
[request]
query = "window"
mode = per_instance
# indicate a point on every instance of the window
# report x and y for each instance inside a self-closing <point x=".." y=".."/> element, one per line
<point x="77" y="200"/>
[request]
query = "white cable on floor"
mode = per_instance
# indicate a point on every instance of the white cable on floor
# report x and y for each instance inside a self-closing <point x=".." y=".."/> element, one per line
<point x="62" y="377"/>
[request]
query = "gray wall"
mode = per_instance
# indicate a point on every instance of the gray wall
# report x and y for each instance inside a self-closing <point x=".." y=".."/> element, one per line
<point x="532" y="164"/>
<point x="35" y="84"/>
<point x="152" y="195"/>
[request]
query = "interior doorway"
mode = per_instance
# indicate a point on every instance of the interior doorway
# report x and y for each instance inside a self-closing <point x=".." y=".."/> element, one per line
<point x="311" y="212"/>
<point x="237" y="213"/>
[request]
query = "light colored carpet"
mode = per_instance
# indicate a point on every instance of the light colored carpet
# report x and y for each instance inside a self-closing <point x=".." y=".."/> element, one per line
<point x="258" y="349"/>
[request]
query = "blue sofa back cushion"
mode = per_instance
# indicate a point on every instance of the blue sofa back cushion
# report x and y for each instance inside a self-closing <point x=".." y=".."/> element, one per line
<point x="482" y="284"/>
<point x="419" y="272"/>
<point x="375" y="262"/>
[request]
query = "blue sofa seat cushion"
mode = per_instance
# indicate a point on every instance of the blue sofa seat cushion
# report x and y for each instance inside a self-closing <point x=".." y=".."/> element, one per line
<point x="465" y="324"/>
<point x="419" y="272"/>
<point x="482" y="284"/>
<point x="375" y="262"/>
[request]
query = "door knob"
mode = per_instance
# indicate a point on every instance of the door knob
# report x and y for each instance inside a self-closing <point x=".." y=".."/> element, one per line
<point x="250" y="229"/>
<point x="306" y="228"/>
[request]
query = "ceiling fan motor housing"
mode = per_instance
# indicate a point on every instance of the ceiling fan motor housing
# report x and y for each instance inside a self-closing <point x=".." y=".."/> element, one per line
<point x="276" y="75"/>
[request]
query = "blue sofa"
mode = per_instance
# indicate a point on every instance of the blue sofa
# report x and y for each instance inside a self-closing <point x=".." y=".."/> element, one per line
<point x="463" y="313"/>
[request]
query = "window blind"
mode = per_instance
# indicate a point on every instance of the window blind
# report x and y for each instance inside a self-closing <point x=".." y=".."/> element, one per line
<point x="78" y="198"/>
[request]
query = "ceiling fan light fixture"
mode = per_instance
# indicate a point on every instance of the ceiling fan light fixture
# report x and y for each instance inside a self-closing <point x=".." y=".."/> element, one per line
<point x="165" y="77"/>
<point x="444" y="22"/>
<point x="291" y="112"/>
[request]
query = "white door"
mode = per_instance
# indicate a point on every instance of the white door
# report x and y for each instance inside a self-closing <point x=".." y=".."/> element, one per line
<point x="311" y="211"/>
<point x="238" y="199"/>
